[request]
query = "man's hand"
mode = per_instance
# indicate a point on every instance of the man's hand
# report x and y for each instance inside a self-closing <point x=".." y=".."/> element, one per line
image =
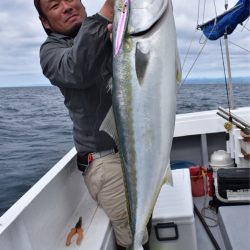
<point x="110" y="31"/>
<point x="107" y="10"/>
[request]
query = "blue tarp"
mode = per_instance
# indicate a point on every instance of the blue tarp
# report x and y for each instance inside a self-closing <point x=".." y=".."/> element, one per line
<point x="227" y="22"/>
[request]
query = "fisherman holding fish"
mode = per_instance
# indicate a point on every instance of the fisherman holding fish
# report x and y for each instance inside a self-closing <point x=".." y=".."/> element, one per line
<point x="77" y="58"/>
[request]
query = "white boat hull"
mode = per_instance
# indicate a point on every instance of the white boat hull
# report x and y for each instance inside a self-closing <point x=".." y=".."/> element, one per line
<point x="41" y="219"/>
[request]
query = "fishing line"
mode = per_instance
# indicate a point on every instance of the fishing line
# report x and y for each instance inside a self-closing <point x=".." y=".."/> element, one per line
<point x="239" y="46"/>
<point x="195" y="61"/>
<point x="201" y="42"/>
<point x="244" y="26"/>
<point x="225" y="78"/>
<point x="198" y="13"/>
<point x="211" y="217"/>
<point x="204" y="7"/>
<point x="247" y="29"/>
<point x="205" y="207"/>
<point x="203" y="13"/>
<point x="215" y="10"/>
<point x="190" y="44"/>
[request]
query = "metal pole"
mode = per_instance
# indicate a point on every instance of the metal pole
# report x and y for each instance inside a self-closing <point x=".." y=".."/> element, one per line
<point x="226" y="117"/>
<point x="204" y="150"/>
<point x="235" y="117"/>
<point x="229" y="84"/>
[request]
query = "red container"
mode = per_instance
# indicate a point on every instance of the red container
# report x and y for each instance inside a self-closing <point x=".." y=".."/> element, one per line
<point x="201" y="181"/>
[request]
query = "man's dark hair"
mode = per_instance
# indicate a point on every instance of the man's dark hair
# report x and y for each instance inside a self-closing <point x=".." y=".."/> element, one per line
<point x="38" y="8"/>
<point x="41" y="14"/>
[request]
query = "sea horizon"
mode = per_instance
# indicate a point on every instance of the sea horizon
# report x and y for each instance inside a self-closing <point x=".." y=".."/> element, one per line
<point x="216" y="80"/>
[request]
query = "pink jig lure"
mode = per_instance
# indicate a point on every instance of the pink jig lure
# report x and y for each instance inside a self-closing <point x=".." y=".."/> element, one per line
<point x="121" y="26"/>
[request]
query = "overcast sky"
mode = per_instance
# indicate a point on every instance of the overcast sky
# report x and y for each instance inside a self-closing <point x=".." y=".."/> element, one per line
<point x="21" y="35"/>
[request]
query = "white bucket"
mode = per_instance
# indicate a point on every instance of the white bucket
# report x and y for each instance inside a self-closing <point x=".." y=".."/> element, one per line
<point x="221" y="159"/>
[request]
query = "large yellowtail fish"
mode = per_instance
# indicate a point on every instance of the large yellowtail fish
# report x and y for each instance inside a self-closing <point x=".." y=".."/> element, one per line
<point x="145" y="73"/>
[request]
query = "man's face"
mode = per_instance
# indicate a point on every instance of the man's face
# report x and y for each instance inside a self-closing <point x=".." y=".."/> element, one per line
<point x="62" y="16"/>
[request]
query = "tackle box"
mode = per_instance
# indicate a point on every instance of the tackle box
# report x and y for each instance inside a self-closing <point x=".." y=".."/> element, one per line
<point x="173" y="225"/>
<point x="234" y="183"/>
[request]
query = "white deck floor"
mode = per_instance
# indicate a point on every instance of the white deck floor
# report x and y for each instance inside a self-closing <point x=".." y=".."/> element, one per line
<point x="203" y="241"/>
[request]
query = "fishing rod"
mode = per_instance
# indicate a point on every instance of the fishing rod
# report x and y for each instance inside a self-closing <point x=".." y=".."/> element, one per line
<point x="227" y="117"/>
<point x="209" y="233"/>
<point x="237" y="121"/>
<point x="235" y="117"/>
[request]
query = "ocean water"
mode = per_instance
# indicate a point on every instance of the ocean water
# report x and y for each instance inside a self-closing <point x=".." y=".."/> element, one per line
<point x="35" y="130"/>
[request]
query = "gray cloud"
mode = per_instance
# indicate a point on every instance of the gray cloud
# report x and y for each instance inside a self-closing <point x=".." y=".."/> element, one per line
<point x="22" y="34"/>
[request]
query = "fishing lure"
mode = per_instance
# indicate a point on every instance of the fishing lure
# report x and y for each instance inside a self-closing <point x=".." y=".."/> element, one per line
<point x="124" y="8"/>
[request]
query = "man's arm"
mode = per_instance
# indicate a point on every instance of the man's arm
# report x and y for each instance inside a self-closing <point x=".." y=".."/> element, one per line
<point x="81" y="65"/>
<point x="107" y="10"/>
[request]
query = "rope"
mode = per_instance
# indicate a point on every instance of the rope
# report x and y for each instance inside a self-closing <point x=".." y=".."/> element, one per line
<point x="210" y="217"/>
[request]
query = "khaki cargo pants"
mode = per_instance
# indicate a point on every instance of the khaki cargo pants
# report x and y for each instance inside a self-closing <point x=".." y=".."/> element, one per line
<point x="104" y="180"/>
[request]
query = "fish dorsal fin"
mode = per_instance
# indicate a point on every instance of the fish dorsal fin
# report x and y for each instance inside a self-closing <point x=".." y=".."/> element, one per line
<point x="145" y="14"/>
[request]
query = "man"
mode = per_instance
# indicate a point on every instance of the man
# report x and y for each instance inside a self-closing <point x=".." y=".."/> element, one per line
<point x="77" y="57"/>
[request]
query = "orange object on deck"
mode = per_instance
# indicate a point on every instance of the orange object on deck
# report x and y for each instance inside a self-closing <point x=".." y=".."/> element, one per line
<point x="77" y="230"/>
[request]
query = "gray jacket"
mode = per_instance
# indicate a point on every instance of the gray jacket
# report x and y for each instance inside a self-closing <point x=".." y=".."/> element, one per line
<point x="81" y="68"/>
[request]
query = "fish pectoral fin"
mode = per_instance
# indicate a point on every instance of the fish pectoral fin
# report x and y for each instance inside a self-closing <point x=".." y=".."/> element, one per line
<point x="168" y="179"/>
<point x="141" y="61"/>
<point x="109" y="126"/>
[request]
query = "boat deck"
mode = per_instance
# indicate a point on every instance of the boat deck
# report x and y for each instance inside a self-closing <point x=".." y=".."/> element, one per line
<point x="203" y="240"/>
